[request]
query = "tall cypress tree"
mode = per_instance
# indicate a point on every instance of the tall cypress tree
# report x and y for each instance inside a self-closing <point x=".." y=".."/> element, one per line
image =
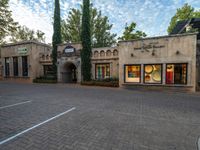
<point x="56" y="35"/>
<point x="86" y="42"/>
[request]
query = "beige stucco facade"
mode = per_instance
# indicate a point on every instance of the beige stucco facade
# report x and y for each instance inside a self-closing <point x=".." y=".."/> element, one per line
<point x="102" y="58"/>
<point x="165" y="50"/>
<point x="181" y="53"/>
<point x="37" y="55"/>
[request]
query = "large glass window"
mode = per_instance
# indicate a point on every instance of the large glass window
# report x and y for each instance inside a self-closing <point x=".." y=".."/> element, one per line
<point x="176" y="74"/>
<point x="102" y="71"/>
<point x="15" y="66"/>
<point x="153" y="73"/>
<point x="7" y="68"/>
<point x="24" y="66"/>
<point x="132" y="73"/>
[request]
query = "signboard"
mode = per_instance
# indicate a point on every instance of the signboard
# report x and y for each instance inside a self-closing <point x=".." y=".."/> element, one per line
<point x="22" y="51"/>
<point x="69" y="50"/>
<point x="149" y="46"/>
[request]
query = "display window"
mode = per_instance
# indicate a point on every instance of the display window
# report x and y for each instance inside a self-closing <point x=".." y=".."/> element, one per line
<point x="176" y="74"/>
<point x="24" y="66"/>
<point x="102" y="71"/>
<point x="7" y="66"/>
<point x="15" y="66"/>
<point x="133" y="73"/>
<point x="153" y="73"/>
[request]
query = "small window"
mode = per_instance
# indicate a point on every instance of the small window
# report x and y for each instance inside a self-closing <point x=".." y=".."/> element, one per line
<point x="48" y="69"/>
<point x="102" y="71"/>
<point x="96" y="53"/>
<point x="47" y="57"/>
<point x="102" y="53"/>
<point x="108" y="53"/>
<point x="115" y="52"/>
<point x="133" y="73"/>
<point x="176" y="74"/>
<point x="43" y="57"/>
<point x="153" y="73"/>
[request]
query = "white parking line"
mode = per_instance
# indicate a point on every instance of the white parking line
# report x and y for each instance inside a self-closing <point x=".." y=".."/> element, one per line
<point x="198" y="143"/>
<point x="15" y="104"/>
<point x="35" y="126"/>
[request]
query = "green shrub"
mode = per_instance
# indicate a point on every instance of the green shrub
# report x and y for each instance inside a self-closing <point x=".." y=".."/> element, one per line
<point x="104" y="83"/>
<point x="45" y="79"/>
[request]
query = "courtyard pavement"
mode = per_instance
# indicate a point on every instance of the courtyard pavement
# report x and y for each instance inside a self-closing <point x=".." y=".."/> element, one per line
<point x="74" y="117"/>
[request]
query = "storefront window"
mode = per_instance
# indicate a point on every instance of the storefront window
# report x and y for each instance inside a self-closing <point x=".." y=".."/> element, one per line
<point x="153" y="73"/>
<point x="176" y="74"/>
<point x="7" y="68"/>
<point x="132" y="73"/>
<point x="24" y="66"/>
<point x="15" y="66"/>
<point x="102" y="71"/>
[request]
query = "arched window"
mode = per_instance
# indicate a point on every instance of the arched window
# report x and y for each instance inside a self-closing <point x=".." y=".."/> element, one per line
<point x="115" y="52"/>
<point x="108" y="53"/>
<point x="47" y="57"/>
<point x="102" y="53"/>
<point x="96" y="54"/>
<point x="43" y="57"/>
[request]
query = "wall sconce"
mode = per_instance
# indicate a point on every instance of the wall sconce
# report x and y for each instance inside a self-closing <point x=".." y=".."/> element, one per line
<point x="177" y="52"/>
<point x="132" y="55"/>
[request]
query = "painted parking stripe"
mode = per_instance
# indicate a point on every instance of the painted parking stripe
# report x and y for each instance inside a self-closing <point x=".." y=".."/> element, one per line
<point x="35" y="126"/>
<point x="198" y="143"/>
<point x="15" y="104"/>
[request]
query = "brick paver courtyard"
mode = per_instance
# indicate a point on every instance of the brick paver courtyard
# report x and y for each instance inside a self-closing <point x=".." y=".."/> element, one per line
<point x="102" y="118"/>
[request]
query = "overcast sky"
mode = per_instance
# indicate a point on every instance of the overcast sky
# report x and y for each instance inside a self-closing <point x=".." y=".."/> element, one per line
<point x="151" y="16"/>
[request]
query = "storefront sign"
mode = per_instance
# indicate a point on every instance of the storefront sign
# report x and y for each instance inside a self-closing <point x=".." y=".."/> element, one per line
<point x="22" y="51"/>
<point x="149" y="46"/>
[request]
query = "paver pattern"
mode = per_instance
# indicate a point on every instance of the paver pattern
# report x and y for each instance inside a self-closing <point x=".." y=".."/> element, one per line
<point x="104" y="118"/>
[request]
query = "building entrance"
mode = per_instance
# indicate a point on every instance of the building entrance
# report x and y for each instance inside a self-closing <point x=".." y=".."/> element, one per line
<point x="70" y="74"/>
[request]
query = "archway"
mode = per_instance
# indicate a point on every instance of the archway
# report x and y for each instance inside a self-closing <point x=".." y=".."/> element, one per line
<point x="70" y="74"/>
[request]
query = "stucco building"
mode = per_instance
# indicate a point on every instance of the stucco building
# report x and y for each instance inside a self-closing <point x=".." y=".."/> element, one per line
<point x="104" y="63"/>
<point x="160" y="62"/>
<point x="24" y="61"/>
<point x="165" y="62"/>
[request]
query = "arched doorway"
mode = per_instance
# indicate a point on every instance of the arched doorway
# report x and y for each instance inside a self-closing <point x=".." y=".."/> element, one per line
<point x="70" y="74"/>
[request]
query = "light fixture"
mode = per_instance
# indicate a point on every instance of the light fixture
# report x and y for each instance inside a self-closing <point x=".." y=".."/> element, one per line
<point x="132" y="55"/>
<point x="177" y="52"/>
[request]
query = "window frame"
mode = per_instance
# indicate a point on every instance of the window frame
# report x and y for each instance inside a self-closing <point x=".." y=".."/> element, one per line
<point x="125" y="65"/>
<point x="7" y="67"/>
<point x="102" y="64"/>
<point x="16" y="70"/>
<point x="25" y="67"/>
<point x="176" y="64"/>
<point x="161" y="82"/>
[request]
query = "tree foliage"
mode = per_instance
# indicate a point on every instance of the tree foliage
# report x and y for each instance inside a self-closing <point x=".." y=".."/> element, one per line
<point x="86" y="42"/>
<point x="100" y="28"/>
<point x="183" y="13"/>
<point x="7" y="24"/>
<point x="131" y="33"/>
<point x="56" y="34"/>
<point x="23" y="33"/>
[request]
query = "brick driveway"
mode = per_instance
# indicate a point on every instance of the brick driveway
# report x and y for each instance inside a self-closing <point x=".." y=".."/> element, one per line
<point x="104" y="118"/>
